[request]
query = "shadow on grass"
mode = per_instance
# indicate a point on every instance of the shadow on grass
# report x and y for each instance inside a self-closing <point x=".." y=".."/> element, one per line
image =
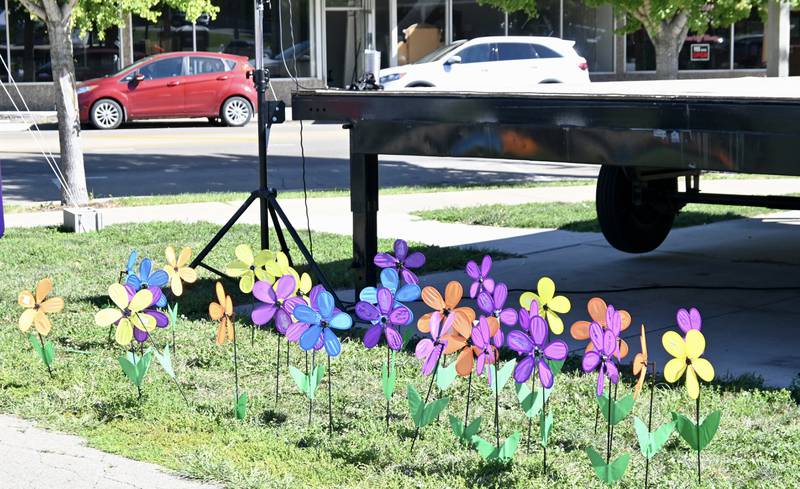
<point x="270" y="417"/>
<point x="682" y="220"/>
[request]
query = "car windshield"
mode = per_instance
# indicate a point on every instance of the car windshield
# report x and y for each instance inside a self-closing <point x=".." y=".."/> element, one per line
<point x="439" y="53"/>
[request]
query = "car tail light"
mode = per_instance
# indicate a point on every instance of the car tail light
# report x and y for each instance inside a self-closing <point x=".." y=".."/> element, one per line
<point x="583" y="65"/>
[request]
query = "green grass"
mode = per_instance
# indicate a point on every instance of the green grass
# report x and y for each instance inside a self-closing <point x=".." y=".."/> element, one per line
<point x="574" y="216"/>
<point x="274" y="447"/>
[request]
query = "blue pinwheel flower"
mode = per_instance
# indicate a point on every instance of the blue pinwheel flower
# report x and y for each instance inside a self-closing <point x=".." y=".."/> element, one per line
<point x="147" y="278"/>
<point x="322" y="323"/>
<point x="390" y="279"/>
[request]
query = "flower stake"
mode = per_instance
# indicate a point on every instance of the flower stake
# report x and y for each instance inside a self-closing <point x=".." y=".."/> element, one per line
<point x="178" y="272"/>
<point x="37" y="306"/>
<point x="687" y="352"/>
<point x="222" y="312"/>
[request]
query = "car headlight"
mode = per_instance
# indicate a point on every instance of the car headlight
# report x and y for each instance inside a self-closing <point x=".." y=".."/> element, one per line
<point x="391" y="78"/>
<point x="85" y="89"/>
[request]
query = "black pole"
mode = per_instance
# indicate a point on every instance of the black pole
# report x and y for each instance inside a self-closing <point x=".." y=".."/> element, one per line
<point x="330" y="404"/>
<point x="261" y="79"/>
<point x="235" y="366"/>
<point x="650" y="423"/>
<point x="388" y="373"/>
<point x="427" y="396"/>
<point x="697" y="427"/>
<point x="469" y="392"/>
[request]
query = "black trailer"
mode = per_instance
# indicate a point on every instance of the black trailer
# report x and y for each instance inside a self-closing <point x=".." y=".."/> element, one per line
<point x="646" y="135"/>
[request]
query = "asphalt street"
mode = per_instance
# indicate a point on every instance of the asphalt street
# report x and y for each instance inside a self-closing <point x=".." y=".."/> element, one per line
<point x="151" y="158"/>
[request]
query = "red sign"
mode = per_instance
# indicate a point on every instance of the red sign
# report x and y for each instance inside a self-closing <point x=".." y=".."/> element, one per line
<point x="700" y="52"/>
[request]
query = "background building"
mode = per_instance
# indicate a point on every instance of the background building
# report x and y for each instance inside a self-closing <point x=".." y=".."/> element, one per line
<point x="323" y="40"/>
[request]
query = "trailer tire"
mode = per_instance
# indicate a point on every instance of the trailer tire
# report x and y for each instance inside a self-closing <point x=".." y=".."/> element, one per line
<point x="630" y="227"/>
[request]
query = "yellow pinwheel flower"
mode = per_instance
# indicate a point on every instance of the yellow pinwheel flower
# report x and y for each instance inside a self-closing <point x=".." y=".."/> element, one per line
<point x="640" y="365"/>
<point x="550" y="304"/>
<point x="38" y="306"/>
<point x="126" y="313"/>
<point x="687" y="359"/>
<point x="304" y="286"/>
<point x="250" y="267"/>
<point x="177" y="269"/>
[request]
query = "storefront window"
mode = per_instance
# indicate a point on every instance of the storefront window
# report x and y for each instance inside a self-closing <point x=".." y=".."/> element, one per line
<point x="546" y="23"/>
<point x="383" y="32"/>
<point x="290" y="56"/>
<point x="171" y="32"/>
<point x="471" y="20"/>
<point x="420" y="27"/>
<point x="592" y="29"/>
<point x="708" y="51"/>
<point x="748" y="43"/>
<point x="3" y="43"/>
<point x="30" y="50"/>
<point x="639" y="52"/>
<point x="231" y="32"/>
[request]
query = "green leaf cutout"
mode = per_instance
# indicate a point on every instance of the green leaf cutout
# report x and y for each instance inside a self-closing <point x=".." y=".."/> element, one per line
<point x="465" y="435"/>
<point x="407" y="334"/>
<point x="388" y="378"/>
<point x="504" y="452"/>
<point x="545" y="425"/>
<point x="315" y="380"/>
<point x="422" y="413"/>
<point x="37" y="347"/>
<point x="135" y="368"/>
<point x="555" y="366"/>
<point x="129" y="369"/>
<point x="445" y="376"/>
<point x="608" y="473"/>
<point x="620" y="410"/>
<point x="531" y="402"/>
<point x="299" y="378"/>
<point x="501" y="375"/>
<point x="165" y="360"/>
<point x="651" y="443"/>
<point x="172" y="312"/>
<point x="241" y="406"/>
<point x="688" y="429"/>
<point x="49" y="352"/>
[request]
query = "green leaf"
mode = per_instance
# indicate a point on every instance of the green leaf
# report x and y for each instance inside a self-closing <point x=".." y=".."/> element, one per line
<point x="531" y="402"/>
<point x="165" y="360"/>
<point x="415" y="406"/>
<point x="620" y="409"/>
<point x="608" y="473"/>
<point x="463" y="434"/>
<point x="172" y="312"/>
<point x="241" y="406"/>
<point x="129" y="369"/>
<point x="315" y="379"/>
<point x="555" y="366"/>
<point x="544" y="429"/>
<point x="388" y="377"/>
<point x="49" y="353"/>
<point x="407" y="334"/>
<point x="432" y="410"/>
<point x="34" y="341"/>
<point x="502" y="376"/>
<point x="688" y="429"/>
<point x="143" y="364"/>
<point x="445" y="376"/>
<point x="299" y="378"/>
<point x="651" y="443"/>
<point x="504" y="452"/>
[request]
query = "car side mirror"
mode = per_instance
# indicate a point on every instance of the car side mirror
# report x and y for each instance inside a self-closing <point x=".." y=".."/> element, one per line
<point x="138" y="77"/>
<point x="453" y="60"/>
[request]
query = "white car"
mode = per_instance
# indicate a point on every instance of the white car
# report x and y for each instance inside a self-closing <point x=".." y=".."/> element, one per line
<point x="512" y="64"/>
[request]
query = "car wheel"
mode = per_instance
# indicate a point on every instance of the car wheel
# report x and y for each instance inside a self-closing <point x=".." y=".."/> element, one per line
<point x="106" y="114"/>
<point x="236" y="112"/>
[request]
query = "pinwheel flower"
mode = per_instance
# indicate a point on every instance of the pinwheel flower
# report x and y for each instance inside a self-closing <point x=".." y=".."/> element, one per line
<point x="322" y="323"/>
<point x="129" y="266"/>
<point x="485" y="353"/>
<point x="430" y="349"/>
<point x="277" y="302"/>
<point x="162" y="321"/>
<point x="385" y="318"/>
<point x="148" y="278"/>
<point x="249" y="267"/>
<point x="550" y="305"/>
<point x="401" y="261"/>
<point x="687" y="359"/>
<point x="390" y="279"/>
<point x="449" y="305"/>
<point x="602" y="356"/>
<point x="297" y="328"/>
<point x="535" y="349"/>
<point x="304" y="286"/>
<point x="480" y="276"/>
<point x="688" y="320"/>
<point x="127" y="314"/>
<point x="178" y="271"/>
<point x="494" y="307"/>
<point x="458" y="340"/>
<point x="604" y="315"/>
<point x="37" y="307"/>
<point x="222" y="311"/>
<point x="640" y="365"/>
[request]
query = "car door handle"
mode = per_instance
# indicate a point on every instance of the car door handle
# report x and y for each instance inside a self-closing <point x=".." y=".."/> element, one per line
<point x="223" y="77"/>
<point x="173" y="84"/>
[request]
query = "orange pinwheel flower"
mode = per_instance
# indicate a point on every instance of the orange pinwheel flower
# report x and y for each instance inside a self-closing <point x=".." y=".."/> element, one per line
<point x="640" y="365"/>
<point x="222" y="311"/>
<point x="449" y="305"/>
<point x="37" y="307"/>
<point x="600" y="312"/>
<point x="472" y="343"/>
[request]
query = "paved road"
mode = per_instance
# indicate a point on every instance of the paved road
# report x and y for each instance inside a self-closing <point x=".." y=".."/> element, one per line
<point x="174" y="157"/>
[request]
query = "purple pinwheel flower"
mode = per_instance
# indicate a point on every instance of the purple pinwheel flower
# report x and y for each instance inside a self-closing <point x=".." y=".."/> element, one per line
<point x="605" y="345"/>
<point x="391" y="280"/>
<point x="322" y="323"/>
<point x="162" y="321"/>
<point x="485" y="351"/>
<point x="147" y="278"/>
<point x="534" y="348"/>
<point x="494" y="305"/>
<point x="482" y="281"/>
<point x="402" y="261"/>
<point x="430" y="349"/>
<point x="296" y="329"/>
<point x="386" y="318"/>
<point x="277" y="302"/>
<point x="688" y="320"/>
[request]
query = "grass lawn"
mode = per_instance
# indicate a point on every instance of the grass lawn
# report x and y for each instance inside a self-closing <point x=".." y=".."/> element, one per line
<point x="756" y="445"/>
<point x="574" y="216"/>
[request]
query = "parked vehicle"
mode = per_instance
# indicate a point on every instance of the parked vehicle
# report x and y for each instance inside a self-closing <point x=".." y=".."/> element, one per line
<point x="181" y="84"/>
<point x="508" y="64"/>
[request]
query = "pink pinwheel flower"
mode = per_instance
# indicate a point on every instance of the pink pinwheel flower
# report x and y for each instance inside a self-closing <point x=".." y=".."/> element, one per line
<point x="532" y="345"/>
<point x="278" y="302"/>
<point x="483" y="349"/>
<point x="480" y="276"/>
<point x="494" y="306"/>
<point x="604" y="343"/>
<point x="402" y="261"/>
<point x="296" y="329"/>
<point x="430" y="349"/>
<point x="385" y="318"/>
<point x="689" y="320"/>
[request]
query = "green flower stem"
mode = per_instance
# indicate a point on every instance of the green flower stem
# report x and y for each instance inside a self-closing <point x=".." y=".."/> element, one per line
<point x="697" y="425"/>
<point x="235" y="364"/>
<point x="388" y="373"/>
<point x="44" y="356"/>
<point x="427" y="398"/>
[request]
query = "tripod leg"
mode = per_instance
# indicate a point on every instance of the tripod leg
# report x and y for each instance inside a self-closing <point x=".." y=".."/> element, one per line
<point x="364" y="205"/>
<point x="224" y="230"/>
<point x="279" y="231"/>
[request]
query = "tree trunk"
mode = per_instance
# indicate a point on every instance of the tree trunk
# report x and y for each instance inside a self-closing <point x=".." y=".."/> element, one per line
<point x="668" y="42"/>
<point x="69" y="126"/>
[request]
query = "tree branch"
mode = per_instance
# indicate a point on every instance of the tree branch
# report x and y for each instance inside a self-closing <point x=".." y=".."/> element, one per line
<point x="66" y="10"/>
<point x="36" y="8"/>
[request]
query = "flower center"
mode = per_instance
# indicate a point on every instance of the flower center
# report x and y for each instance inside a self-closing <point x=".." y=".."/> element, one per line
<point x="253" y="268"/>
<point x="143" y="286"/>
<point x="126" y="313"/>
<point x="384" y="320"/>
<point x="175" y="269"/>
<point x="688" y="361"/>
<point x="323" y="323"/>
<point x="36" y="306"/>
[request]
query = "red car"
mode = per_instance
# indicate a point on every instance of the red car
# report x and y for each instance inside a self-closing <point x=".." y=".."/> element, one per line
<point x="182" y="84"/>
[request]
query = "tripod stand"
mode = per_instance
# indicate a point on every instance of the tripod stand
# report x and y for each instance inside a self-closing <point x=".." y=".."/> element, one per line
<point x="268" y="113"/>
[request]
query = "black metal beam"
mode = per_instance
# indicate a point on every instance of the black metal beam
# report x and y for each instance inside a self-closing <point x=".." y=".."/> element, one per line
<point x="769" y="201"/>
<point x="364" y="205"/>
